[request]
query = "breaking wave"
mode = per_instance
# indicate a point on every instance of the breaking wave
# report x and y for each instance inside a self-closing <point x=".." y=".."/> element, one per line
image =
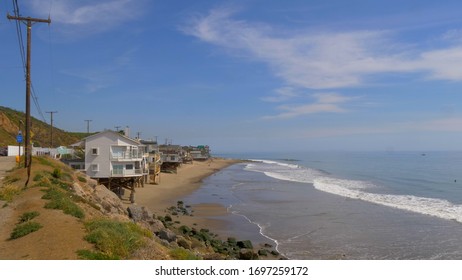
<point x="357" y="189"/>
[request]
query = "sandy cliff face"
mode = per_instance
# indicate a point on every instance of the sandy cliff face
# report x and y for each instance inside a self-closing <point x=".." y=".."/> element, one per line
<point x="7" y="125"/>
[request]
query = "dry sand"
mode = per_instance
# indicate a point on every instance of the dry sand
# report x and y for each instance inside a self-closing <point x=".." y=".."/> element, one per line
<point x="174" y="187"/>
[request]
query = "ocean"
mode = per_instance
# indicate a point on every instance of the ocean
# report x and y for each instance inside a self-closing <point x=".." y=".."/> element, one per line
<point x="344" y="205"/>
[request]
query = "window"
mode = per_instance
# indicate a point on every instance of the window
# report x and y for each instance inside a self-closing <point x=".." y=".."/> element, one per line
<point x="118" y="169"/>
<point x="94" y="167"/>
<point x="129" y="166"/>
<point x="95" y="151"/>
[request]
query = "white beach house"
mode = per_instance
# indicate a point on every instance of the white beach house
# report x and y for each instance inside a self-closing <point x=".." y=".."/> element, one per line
<point x="116" y="161"/>
<point x="111" y="154"/>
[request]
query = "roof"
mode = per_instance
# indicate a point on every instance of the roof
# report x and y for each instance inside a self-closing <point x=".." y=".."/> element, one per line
<point x="82" y="142"/>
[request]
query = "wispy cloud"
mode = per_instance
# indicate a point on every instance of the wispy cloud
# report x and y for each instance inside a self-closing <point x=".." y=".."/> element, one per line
<point x="324" y="103"/>
<point x="452" y="124"/>
<point x="281" y="94"/>
<point x="89" y="17"/>
<point x="326" y="60"/>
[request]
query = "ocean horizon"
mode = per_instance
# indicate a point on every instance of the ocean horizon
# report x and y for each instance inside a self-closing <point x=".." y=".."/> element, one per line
<point x="344" y="205"/>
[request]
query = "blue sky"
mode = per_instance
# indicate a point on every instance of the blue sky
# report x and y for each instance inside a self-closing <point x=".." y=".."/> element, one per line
<point x="248" y="75"/>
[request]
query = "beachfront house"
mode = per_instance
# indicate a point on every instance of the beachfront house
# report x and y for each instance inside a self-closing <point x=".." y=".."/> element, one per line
<point x="154" y="160"/>
<point x="201" y="152"/>
<point x="172" y="157"/>
<point x="116" y="161"/>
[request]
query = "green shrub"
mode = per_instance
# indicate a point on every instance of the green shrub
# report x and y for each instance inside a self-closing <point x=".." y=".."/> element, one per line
<point x="28" y="216"/>
<point x="38" y="177"/>
<point x="44" y="161"/>
<point x="10" y="180"/>
<point x="56" y="173"/>
<point x="91" y="255"/>
<point x="61" y="200"/>
<point x="183" y="254"/>
<point x="115" y="240"/>
<point x="7" y="192"/>
<point x="24" y="229"/>
<point x="82" y="179"/>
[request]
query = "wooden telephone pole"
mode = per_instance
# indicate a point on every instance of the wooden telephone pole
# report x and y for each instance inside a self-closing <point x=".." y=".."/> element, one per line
<point x="28" y="21"/>
<point x="51" y="134"/>
<point x="88" y="126"/>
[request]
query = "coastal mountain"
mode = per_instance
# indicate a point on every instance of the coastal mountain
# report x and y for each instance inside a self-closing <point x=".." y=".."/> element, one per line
<point x="10" y="124"/>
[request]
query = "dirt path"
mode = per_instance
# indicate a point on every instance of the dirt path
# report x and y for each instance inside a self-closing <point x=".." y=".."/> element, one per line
<point x="59" y="238"/>
<point x="6" y="164"/>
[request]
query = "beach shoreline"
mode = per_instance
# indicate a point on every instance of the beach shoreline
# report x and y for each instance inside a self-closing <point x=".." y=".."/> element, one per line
<point x="165" y="199"/>
<point x="174" y="187"/>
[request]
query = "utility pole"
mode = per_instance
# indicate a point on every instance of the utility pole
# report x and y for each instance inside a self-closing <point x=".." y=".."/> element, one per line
<point x="28" y="21"/>
<point x="138" y="133"/>
<point x="51" y="134"/>
<point x="88" y="126"/>
<point x="117" y="128"/>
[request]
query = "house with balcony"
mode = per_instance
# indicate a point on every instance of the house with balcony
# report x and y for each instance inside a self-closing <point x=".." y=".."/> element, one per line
<point x="172" y="157"/>
<point x="154" y="160"/>
<point x="116" y="161"/>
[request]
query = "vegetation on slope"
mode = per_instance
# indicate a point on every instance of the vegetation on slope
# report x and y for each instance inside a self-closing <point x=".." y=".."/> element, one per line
<point x="10" y="124"/>
<point x="108" y="228"/>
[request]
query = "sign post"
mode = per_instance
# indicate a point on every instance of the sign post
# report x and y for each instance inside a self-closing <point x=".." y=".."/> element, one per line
<point x="19" y="140"/>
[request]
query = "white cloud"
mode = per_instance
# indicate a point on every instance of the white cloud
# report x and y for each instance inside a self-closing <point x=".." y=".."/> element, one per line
<point x="325" y="60"/>
<point x="89" y="16"/>
<point x="453" y="124"/>
<point x="324" y="103"/>
<point x="442" y="64"/>
<point x="282" y="94"/>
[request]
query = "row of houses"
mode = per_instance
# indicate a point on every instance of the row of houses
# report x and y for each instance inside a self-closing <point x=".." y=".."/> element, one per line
<point x="122" y="163"/>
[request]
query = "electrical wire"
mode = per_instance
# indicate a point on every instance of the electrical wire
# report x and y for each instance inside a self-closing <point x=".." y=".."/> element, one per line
<point x="23" y="55"/>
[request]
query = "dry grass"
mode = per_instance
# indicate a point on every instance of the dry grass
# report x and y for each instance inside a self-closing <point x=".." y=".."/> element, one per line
<point x="9" y="191"/>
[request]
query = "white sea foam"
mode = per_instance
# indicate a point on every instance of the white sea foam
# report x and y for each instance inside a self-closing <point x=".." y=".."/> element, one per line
<point x="356" y="189"/>
<point x="429" y="206"/>
<point x="261" y="228"/>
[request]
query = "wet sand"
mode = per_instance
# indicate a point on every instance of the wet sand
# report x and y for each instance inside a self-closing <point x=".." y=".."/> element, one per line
<point x="173" y="187"/>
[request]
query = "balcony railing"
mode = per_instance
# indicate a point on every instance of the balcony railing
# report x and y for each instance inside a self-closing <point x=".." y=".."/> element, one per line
<point x="126" y="173"/>
<point x="126" y="156"/>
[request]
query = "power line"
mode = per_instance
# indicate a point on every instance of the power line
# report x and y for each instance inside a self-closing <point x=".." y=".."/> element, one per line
<point x="22" y="52"/>
<point x="28" y="21"/>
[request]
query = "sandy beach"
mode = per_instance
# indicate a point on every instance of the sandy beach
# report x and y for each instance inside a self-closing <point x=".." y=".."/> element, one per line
<point x="174" y="187"/>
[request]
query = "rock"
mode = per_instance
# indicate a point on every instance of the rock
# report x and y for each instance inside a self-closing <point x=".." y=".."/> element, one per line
<point x="156" y="226"/>
<point x="99" y="197"/>
<point x="168" y="235"/>
<point x="112" y="203"/>
<point x="79" y="190"/>
<point x="246" y="254"/>
<point x="275" y="253"/>
<point x="92" y="182"/>
<point x="135" y="213"/>
<point x="245" y="244"/>
<point x="262" y="252"/>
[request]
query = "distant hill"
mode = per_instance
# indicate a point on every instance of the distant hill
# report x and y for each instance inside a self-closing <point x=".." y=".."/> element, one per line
<point x="9" y="126"/>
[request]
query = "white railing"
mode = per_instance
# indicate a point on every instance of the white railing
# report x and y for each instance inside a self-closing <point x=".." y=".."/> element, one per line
<point x="126" y="156"/>
<point x="126" y="173"/>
